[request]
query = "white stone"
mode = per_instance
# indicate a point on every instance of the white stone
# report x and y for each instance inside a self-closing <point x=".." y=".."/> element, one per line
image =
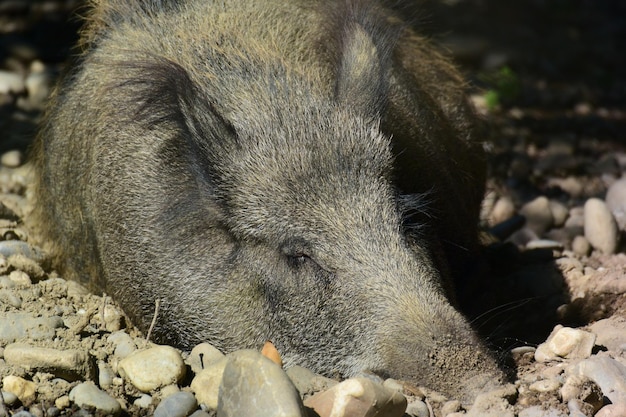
<point x="152" y="368"/>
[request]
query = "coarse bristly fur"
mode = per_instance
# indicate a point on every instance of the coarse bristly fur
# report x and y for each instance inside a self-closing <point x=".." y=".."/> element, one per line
<point x="304" y="172"/>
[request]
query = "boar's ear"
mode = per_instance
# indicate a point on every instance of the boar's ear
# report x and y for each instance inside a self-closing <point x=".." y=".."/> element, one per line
<point x="361" y="75"/>
<point x="166" y="99"/>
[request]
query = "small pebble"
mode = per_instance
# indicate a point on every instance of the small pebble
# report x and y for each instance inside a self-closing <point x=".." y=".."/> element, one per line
<point x="12" y="159"/>
<point x="11" y="82"/>
<point x="537" y="411"/>
<point x="24" y="390"/>
<point x="144" y="401"/>
<point x="9" y="397"/>
<point x="600" y="227"/>
<point x="124" y="344"/>
<point x="560" y="213"/>
<point x="180" y="404"/>
<point x="87" y="394"/>
<point x="10" y="298"/>
<point x="418" y="409"/>
<point x="581" y="246"/>
<point x="616" y="201"/>
<point x="203" y="355"/>
<point x="545" y="385"/>
<point x="544" y="244"/>
<point x="152" y="368"/>
<point x="538" y="215"/>
<point x="502" y="210"/>
<point x="105" y="375"/>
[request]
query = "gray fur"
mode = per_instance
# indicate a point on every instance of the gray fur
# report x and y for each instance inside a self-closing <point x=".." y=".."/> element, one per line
<point x="303" y="172"/>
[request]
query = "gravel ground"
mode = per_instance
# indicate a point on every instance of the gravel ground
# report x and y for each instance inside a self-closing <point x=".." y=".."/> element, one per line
<point x="550" y="81"/>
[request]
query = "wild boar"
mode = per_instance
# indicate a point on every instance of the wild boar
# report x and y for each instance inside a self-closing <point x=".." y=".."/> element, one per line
<point x="305" y="172"/>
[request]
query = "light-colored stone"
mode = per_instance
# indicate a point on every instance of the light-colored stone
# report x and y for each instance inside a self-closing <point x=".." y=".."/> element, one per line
<point x="88" y="395"/>
<point x="572" y="343"/>
<point x="358" y="397"/>
<point x="71" y="364"/>
<point x="538" y="215"/>
<point x="581" y="246"/>
<point x="203" y="355"/>
<point x="22" y="325"/>
<point x="502" y="210"/>
<point x="180" y="404"/>
<point x="308" y="382"/>
<point x="152" y="368"/>
<point x="11" y="82"/>
<point x="206" y="383"/>
<point x="565" y="342"/>
<point x="560" y="213"/>
<point x="616" y="201"/>
<point x="609" y="374"/>
<point x="545" y="385"/>
<point x="253" y="385"/>
<point x="600" y="227"/>
<point x="12" y="159"/>
<point x="24" y="390"/>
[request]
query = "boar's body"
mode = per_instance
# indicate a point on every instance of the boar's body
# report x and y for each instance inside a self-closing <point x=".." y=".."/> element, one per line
<point x="301" y="172"/>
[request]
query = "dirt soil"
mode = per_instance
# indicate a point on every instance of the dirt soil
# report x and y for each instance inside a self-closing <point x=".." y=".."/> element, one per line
<point x="550" y="80"/>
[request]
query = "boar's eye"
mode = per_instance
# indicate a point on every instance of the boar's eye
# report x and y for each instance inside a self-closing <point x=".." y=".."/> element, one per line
<point x="297" y="252"/>
<point x="298" y="259"/>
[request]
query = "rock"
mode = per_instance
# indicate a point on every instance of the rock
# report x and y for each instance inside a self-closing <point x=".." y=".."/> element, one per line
<point x="609" y="374"/>
<point x="616" y="201"/>
<point x="545" y="385"/>
<point x="124" y="344"/>
<point x="152" y="368"/>
<point x="537" y="411"/>
<point x="581" y="246"/>
<point x="10" y="298"/>
<point x="200" y="413"/>
<point x="88" y="395"/>
<point x="15" y="326"/>
<point x="71" y="364"/>
<point x="144" y="401"/>
<point x="307" y="382"/>
<point x="565" y="342"/>
<point x="12" y="159"/>
<point x="581" y="389"/>
<point x="24" y="390"/>
<point x="113" y="318"/>
<point x="180" y="404"/>
<point x="11" y="82"/>
<point x="611" y="333"/>
<point x="502" y="210"/>
<point x="612" y="410"/>
<point x="8" y="397"/>
<point x="358" y="397"/>
<point x="451" y="407"/>
<point x="253" y="385"/>
<point x="9" y="248"/>
<point x="496" y="403"/>
<point x="600" y="227"/>
<point x="560" y="213"/>
<point x="203" y="355"/>
<point x="538" y="215"/>
<point x="207" y="382"/>
<point x="105" y="375"/>
<point x="544" y="244"/>
<point x="418" y="409"/>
